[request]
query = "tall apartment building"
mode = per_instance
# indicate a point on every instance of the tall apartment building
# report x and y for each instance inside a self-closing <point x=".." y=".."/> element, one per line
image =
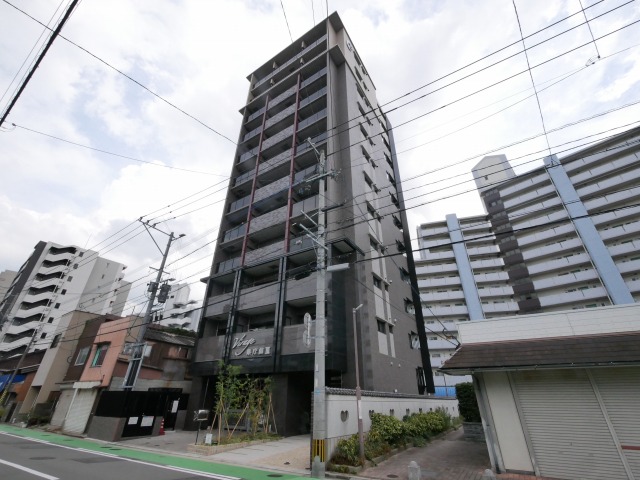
<point x="6" y="279"/>
<point x="562" y="236"/>
<point x="55" y="280"/>
<point x="261" y="293"/>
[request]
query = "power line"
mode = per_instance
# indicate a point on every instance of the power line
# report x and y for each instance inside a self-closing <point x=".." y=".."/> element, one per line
<point x="158" y="96"/>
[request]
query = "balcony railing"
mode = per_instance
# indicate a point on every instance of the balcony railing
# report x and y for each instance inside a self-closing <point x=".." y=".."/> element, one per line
<point x="228" y="265"/>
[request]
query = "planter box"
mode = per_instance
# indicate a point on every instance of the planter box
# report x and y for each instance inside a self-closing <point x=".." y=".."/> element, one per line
<point x="473" y="431"/>
<point x="202" y="449"/>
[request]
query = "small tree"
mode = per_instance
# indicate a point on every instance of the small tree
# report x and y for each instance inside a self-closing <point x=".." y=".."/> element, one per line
<point x="467" y="402"/>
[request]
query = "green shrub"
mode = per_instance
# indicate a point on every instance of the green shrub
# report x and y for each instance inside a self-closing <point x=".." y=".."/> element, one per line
<point x="446" y="417"/>
<point x="347" y="452"/>
<point x="375" y="445"/>
<point x="391" y="429"/>
<point x="467" y="402"/>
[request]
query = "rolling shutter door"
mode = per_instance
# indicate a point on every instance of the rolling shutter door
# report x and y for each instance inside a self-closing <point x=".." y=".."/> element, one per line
<point x="620" y="392"/>
<point x="76" y="421"/>
<point x="567" y="430"/>
<point x="62" y="407"/>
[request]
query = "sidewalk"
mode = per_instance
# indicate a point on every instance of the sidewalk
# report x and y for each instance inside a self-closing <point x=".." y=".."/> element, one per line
<point x="450" y="457"/>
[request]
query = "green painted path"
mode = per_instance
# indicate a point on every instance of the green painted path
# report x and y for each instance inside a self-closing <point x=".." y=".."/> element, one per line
<point x="150" y="457"/>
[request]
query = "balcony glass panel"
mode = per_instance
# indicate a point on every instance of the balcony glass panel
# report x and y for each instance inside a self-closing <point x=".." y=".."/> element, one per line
<point x="314" y="77"/>
<point x="238" y="204"/>
<point x="234" y="233"/>
<point x="320" y="93"/>
<point x="228" y="265"/>
<point x="312" y="119"/>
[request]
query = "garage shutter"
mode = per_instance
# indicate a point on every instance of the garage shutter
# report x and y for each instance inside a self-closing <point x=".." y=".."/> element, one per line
<point x="620" y="391"/>
<point x="62" y="407"/>
<point x="568" y="432"/>
<point x="76" y="420"/>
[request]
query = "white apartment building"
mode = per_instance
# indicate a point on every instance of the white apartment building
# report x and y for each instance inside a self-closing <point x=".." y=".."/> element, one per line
<point x="55" y="280"/>
<point x="562" y="236"/>
<point x="179" y="310"/>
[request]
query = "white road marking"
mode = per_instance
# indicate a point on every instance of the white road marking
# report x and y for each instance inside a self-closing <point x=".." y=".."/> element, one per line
<point x="214" y="476"/>
<point x="29" y="470"/>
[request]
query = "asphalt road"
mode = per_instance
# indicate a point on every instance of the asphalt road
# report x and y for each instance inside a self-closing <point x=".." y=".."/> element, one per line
<point x="35" y="459"/>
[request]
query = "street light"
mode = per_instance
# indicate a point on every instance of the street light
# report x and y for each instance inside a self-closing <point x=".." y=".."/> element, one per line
<point x="358" y="393"/>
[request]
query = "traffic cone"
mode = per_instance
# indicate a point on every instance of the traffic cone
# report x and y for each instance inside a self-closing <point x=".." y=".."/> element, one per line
<point x="161" y="427"/>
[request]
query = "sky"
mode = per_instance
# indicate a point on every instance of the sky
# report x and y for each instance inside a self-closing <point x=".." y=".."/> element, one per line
<point x="138" y="117"/>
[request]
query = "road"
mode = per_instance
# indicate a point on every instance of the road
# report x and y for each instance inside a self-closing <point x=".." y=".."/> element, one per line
<point x="28" y="458"/>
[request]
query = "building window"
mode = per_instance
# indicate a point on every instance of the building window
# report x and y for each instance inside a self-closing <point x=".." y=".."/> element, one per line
<point x="55" y="341"/>
<point x="57" y="305"/>
<point x="82" y="355"/>
<point x="414" y="341"/>
<point x="63" y="292"/>
<point x="377" y="282"/>
<point x="69" y="278"/>
<point x="381" y="327"/>
<point x="50" y="320"/>
<point x="101" y="352"/>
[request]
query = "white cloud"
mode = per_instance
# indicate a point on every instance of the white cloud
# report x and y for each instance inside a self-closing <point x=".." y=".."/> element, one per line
<point x="197" y="54"/>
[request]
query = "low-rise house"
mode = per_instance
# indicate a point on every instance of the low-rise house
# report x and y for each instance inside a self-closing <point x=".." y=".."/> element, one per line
<point x="558" y="392"/>
<point x="94" y="399"/>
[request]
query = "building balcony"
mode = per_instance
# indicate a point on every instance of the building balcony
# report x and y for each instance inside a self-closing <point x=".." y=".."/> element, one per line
<point x="9" y="345"/>
<point x="210" y="349"/>
<point x="302" y="289"/>
<point x="320" y="74"/>
<point x="615" y="218"/>
<point x="276" y="249"/>
<point x="523" y="184"/>
<point x="278" y="138"/>
<point x="30" y="299"/>
<point x="568" y="261"/>
<point x="228" y="265"/>
<point x="566" y="279"/>
<point x="256" y="114"/>
<point x="439" y="282"/>
<point x="67" y="253"/>
<point x="283" y="70"/>
<point x="442" y="311"/>
<point x="487" y="277"/>
<point x="529" y="196"/>
<point x="294" y="340"/>
<point x="247" y="160"/>
<point x="278" y="120"/>
<point x="314" y="96"/>
<point x="441" y="343"/>
<point x="576" y="297"/>
<point x="500" y="307"/>
<point x="234" y="233"/>
<point x="603" y="169"/>
<point x="612" y="200"/>
<point x="257" y="298"/>
<point x="279" y="186"/>
<point x="435" y="296"/>
<point x="552" y="250"/>
<point x="18" y="329"/>
<point x="546" y="235"/>
<point x="275" y="167"/>
<point x="49" y="270"/>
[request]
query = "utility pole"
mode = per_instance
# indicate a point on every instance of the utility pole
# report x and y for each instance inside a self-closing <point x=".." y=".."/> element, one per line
<point x="5" y="395"/>
<point x="319" y="407"/>
<point x="138" y="352"/>
<point x="358" y="391"/>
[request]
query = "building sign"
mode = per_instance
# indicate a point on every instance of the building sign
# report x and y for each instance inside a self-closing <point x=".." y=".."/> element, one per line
<point x="253" y="345"/>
